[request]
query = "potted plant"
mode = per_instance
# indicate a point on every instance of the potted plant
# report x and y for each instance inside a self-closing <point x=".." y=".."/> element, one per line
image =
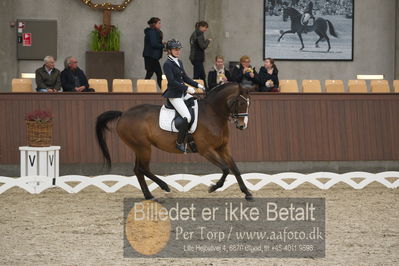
<point x="39" y="128"/>
<point x="105" y="38"/>
<point x="105" y="61"/>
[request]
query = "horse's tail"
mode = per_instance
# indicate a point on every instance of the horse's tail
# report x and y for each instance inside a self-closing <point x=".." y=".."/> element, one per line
<point x="332" y="29"/>
<point x="101" y="126"/>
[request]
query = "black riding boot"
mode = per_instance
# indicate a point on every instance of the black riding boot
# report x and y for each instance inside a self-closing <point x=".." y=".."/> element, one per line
<point x="182" y="136"/>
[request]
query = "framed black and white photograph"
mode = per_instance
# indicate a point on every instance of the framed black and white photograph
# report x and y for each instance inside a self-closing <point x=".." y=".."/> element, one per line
<point x="308" y="29"/>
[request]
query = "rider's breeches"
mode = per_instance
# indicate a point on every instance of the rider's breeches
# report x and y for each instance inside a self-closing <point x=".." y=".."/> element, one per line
<point x="180" y="106"/>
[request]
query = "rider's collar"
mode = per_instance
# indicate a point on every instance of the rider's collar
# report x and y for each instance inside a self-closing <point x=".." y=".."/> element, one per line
<point x="174" y="59"/>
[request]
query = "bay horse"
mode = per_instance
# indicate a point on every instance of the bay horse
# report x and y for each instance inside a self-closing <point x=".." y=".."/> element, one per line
<point x="319" y="27"/>
<point x="139" y="129"/>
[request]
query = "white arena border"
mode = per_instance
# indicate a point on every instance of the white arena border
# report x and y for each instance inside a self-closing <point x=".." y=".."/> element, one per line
<point x="255" y="181"/>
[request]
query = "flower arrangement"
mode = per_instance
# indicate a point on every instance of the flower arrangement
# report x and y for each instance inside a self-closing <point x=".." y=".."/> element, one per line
<point x="105" y="38"/>
<point x="40" y="116"/>
<point x="39" y="128"/>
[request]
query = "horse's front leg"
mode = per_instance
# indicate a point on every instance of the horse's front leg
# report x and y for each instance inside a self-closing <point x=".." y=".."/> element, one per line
<point x="215" y="158"/>
<point x="225" y="153"/>
<point x="300" y="38"/>
<point x="283" y="33"/>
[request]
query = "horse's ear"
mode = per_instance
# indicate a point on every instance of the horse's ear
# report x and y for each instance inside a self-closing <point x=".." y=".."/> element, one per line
<point x="245" y="91"/>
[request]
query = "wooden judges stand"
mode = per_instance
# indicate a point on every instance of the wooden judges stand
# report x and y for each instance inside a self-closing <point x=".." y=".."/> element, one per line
<point x="282" y="127"/>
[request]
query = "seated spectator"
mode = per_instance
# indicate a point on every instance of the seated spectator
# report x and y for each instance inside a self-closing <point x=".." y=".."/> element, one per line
<point x="73" y="79"/>
<point x="245" y="74"/>
<point x="219" y="74"/>
<point x="268" y="77"/>
<point x="48" y="77"/>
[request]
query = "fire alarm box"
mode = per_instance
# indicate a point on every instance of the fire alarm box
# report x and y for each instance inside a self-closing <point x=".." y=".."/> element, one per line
<point x="36" y="38"/>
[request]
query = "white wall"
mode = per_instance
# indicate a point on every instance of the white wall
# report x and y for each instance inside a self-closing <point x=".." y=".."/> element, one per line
<point x="374" y="43"/>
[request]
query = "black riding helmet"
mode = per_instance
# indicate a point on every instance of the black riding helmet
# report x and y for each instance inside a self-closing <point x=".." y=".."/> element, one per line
<point x="173" y="44"/>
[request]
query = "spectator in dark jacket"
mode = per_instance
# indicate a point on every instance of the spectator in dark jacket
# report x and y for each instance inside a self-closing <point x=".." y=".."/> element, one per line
<point x="197" y="52"/>
<point x="245" y="74"/>
<point x="219" y="74"/>
<point x="48" y="77"/>
<point x="73" y="79"/>
<point x="268" y="77"/>
<point x="153" y="49"/>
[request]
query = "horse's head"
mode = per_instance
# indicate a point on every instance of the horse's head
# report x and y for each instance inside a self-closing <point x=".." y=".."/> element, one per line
<point x="239" y="107"/>
<point x="290" y="12"/>
<point x="230" y="100"/>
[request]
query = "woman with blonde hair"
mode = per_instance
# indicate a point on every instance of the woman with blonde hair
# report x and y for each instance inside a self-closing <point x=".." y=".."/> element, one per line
<point x="245" y="74"/>
<point x="219" y="74"/>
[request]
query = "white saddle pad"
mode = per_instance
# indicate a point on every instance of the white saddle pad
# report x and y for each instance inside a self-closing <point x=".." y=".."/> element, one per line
<point x="167" y="116"/>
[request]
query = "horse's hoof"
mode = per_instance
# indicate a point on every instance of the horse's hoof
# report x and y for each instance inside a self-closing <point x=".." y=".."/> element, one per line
<point x="166" y="188"/>
<point x="212" y="188"/>
<point x="317" y="46"/>
<point x="301" y="49"/>
<point x="281" y="31"/>
<point x="249" y="197"/>
<point x="158" y="200"/>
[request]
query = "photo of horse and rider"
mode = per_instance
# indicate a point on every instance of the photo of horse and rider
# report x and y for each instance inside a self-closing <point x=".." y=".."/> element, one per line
<point x="308" y="29"/>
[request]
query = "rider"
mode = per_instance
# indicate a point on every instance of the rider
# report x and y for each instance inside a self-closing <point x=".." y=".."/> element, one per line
<point x="308" y="14"/>
<point x="177" y="91"/>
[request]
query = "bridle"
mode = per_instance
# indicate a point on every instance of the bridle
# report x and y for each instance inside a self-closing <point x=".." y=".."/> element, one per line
<point x="234" y="114"/>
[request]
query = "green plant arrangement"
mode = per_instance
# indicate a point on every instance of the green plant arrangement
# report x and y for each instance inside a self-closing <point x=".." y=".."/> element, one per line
<point x="105" y="38"/>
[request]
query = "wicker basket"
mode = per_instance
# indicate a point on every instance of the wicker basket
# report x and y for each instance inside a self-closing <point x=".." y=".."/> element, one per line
<point x="39" y="134"/>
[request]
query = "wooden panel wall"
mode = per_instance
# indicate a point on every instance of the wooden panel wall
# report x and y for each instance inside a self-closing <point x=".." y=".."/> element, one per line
<point x="282" y="127"/>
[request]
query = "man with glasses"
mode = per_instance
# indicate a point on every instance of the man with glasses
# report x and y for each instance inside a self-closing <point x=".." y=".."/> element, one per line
<point x="48" y="77"/>
<point x="73" y="79"/>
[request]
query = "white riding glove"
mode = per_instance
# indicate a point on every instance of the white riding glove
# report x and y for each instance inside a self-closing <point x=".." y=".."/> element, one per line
<point x="200" y="86"/>
<point x="190" y="90"/>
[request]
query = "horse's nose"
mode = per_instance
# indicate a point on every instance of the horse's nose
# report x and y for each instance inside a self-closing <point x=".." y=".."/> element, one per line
<point x="241" y="127"/>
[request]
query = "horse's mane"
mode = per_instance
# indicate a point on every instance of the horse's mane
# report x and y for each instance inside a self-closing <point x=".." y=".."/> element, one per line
<point x="217" y="89"/>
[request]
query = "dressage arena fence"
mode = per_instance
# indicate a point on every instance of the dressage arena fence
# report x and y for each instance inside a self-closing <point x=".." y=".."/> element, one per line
<point x="254" y="181"/>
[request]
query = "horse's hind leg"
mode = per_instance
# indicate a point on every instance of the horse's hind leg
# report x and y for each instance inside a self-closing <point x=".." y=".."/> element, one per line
<point x="144" y="168"/>
<point x="300" y="38"/>
<point x="320" y="38"/>
<point x="146" y="171"/>
<point x="328" y="41"/>
<point x="140" y="178"/>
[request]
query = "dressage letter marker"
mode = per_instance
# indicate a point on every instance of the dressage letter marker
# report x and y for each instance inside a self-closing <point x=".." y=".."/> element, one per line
<point x="40" y="161"/>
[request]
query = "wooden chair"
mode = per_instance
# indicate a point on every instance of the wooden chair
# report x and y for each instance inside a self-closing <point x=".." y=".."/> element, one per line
<point x="336" y="86"/>
<point x="99" y="85"/>
<point x="200" y="81"/>
<point x="164" y="85"/>
<point x="380" y="86"/>
<point x="396" y="85"/>
<point x="357" y="86"/>
<point x="122" y="85"/>
<point x="311" y="86"/>
<point x="288" y="85"/>
<point x="21" y="85"/>
<point x="146" y="85"/>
